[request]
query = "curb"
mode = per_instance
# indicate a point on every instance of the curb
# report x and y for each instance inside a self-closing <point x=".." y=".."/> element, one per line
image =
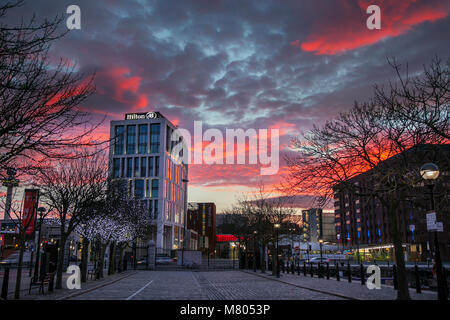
<point x="295" y="285"/>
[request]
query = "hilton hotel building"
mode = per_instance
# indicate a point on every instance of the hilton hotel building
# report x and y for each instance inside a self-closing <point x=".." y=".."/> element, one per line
<point x="140" y="157"/>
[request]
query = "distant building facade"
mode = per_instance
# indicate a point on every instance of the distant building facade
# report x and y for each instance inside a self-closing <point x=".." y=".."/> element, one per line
<point x="317" y="225"/>
<point x="201" y="217"/>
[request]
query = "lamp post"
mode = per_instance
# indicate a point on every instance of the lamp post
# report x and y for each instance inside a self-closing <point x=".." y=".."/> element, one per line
<point x="430" y="172"/>
<point x="233" y="245"/>
<point x="41" y="211"/>
<point x="320" y="243"/>
<point x="277" y="226"/>
<point x="254" y="250"/>
<point x="184" y="221"/>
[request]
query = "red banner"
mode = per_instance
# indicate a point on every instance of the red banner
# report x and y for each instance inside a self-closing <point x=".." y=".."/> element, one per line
<point x="30" y="204"/>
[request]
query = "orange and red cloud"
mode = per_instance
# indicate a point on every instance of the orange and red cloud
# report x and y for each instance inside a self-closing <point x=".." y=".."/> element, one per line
<point x="349" y="32"/>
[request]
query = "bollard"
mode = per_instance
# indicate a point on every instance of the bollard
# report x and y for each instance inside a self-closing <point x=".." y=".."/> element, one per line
<point x="328" y="271"/>
<point x="394" y="271"/>
<point x="298" y="267"/>
<point x="445" y="281"/>
<point x="338" y="276"/>
<point x="4" y="294"/>
<point x="319" y="275"/>
<point x="349" y="276"/>
<point x="311" y="270"/>
<point x="51" y="283"/>
<point x="304" y="268"/>
<point x="363" y="280"/>
<point x="416" y="272"/>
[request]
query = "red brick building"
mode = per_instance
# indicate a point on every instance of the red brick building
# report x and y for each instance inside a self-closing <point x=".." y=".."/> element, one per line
<point x="201" y="217"/>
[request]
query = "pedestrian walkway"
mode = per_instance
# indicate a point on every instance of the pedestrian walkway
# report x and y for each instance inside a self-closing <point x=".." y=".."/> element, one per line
<point x="342" y="288"/>
<point x="65" y="293"/>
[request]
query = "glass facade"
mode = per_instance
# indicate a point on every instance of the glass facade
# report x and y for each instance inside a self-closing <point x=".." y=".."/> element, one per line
<point x="155" y="137"/>
<point x="155" y="188"/>
<point x="139" y="159"/>
<point x="143" y="167"/>
<point x="129" y="167"/>
<point x="131" y="139"/>
<point x="150" y="167"/>
<point x="136" y="167"/>
<point x="119" y="134"/>
<point x="139" y="188"/>
<point x="143" y="138"/>
<point x="116" y="168"/>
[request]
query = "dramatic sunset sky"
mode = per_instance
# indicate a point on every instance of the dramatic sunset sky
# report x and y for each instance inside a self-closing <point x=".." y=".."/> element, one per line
<point x="241" y="64"/>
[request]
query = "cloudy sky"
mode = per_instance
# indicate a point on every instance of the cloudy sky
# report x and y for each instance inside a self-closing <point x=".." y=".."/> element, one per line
<point x="242" y="64"/>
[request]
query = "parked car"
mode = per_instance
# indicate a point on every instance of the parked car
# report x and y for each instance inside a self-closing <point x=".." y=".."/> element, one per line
<point x="163" y="259"/>
<point x="319" y="260"/>
<point x="13" y="258"/>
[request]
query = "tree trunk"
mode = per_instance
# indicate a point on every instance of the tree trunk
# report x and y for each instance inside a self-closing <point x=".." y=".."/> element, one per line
<point x="19" y="268"/>
<point x="120" y="266"/>
<point x="102" y="259"/>
<point x="263" y="258"/>
<point x="274" y="262"/>
<point x="59" y="270"/>
<point x="403" y="291"/>
<point x="84" y="259"/>
<point x="112" y="260"/>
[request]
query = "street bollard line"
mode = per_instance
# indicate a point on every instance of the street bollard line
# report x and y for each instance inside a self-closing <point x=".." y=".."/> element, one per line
<point x="137" y="292"/>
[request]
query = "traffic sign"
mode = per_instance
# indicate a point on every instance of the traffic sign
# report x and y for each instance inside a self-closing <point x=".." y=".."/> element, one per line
<point x="431" y="216"/>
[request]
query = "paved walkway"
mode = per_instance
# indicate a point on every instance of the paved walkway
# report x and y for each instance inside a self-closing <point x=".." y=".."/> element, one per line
<point x="344" y="289"/>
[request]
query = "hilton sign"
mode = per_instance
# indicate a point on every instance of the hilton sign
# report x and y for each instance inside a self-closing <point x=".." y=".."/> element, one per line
<point x="141" y="116"/>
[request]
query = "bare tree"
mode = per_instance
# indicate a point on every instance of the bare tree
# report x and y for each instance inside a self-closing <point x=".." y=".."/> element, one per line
<point x="72" y="189"/>
<point x="39" y="113"/>
<point x="422" y="100"/>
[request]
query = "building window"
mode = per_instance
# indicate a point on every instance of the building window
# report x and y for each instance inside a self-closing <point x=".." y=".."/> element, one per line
<point x="157" y="166"/>
<point x="129" y="167"/>
<point x="143" y="167"/>
<point x="116" y="168"/>
<point x="155" y="188"/>
<point x="131" y="139"/>
<point x="156" y="209"/>
<point x="118" y="147"/>
<point x="143" y="138"/>
<point x="154" y="137"/>
<point x="136" y="167"/>
<point x="150" y="167"/>
<point x="139" y="188"/>
<point x="123" y="167"/>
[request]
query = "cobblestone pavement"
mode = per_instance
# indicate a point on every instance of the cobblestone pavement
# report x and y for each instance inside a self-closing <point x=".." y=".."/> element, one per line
<point x="222" y="285"/>
<point x="353" y="290"/>
<point x="189" y="285"/>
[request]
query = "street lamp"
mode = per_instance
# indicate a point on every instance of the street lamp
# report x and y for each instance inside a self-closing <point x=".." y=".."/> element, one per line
<point x="41" y="211"/>
<point x="277" y="226"/>
<point x="254" y="250"/>
<point x="233" y="245"/>
<point x="430" y="172"/>
<point x="320" y="243"/>
<point x="184" y="221"/>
